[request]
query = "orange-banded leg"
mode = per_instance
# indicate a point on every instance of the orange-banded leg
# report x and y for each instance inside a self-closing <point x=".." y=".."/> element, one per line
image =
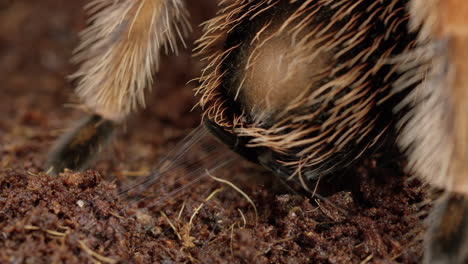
<point x="437" y="132"/>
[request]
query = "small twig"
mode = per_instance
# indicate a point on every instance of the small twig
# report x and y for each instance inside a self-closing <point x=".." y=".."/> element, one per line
<point x="49" y="170"/>
<point x="367" y="259"/>
<point x="324" y="211"/>
<point x="283" y="240"/>
<point x="55" y="233"/>
<point x="32" y="173"/>
<point x="243" y="217"/>
<point x="117" y="216"/>
<point x="30" y="227"/>
<point x="172" y="225"/>
<point x="238" y="190"/>
<point x="94" y="254"/>
<point x="144" y="172"/>
<point x="181" y="209"/>
<point x="201" y="205"/>
<point x="316" y="187"/>
<point x="213" y="194"/>
<point x="194" y="214"/>
<point x="50" y="232"/>
<point x="232" y="238"/>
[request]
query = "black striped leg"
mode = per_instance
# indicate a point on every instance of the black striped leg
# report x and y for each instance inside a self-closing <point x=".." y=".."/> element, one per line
<point x="447" y="237"/>
<point x="75" y="149"/>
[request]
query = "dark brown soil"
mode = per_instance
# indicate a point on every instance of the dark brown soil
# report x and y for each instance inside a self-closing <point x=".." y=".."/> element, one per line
<point x="372" y="212"/>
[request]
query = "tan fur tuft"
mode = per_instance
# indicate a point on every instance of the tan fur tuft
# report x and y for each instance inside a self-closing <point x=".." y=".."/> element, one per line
<point x="120" y="51"/>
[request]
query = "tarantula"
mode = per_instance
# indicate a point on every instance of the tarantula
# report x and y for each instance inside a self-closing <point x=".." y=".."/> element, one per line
<point x="303" y="88"/>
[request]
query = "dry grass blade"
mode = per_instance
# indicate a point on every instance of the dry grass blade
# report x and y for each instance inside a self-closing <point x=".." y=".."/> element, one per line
<point x="238" y="190"/>
<point x="94" y="254"/>
<point x="172" y="226"/>
<point x="201" y="205"/>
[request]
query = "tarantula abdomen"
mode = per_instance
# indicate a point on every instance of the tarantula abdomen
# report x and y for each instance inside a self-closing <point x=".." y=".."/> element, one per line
<point x="306" y="85"/>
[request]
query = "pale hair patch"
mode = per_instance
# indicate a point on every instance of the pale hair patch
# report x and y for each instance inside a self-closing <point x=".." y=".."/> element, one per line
<point x="119" y="51"/>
